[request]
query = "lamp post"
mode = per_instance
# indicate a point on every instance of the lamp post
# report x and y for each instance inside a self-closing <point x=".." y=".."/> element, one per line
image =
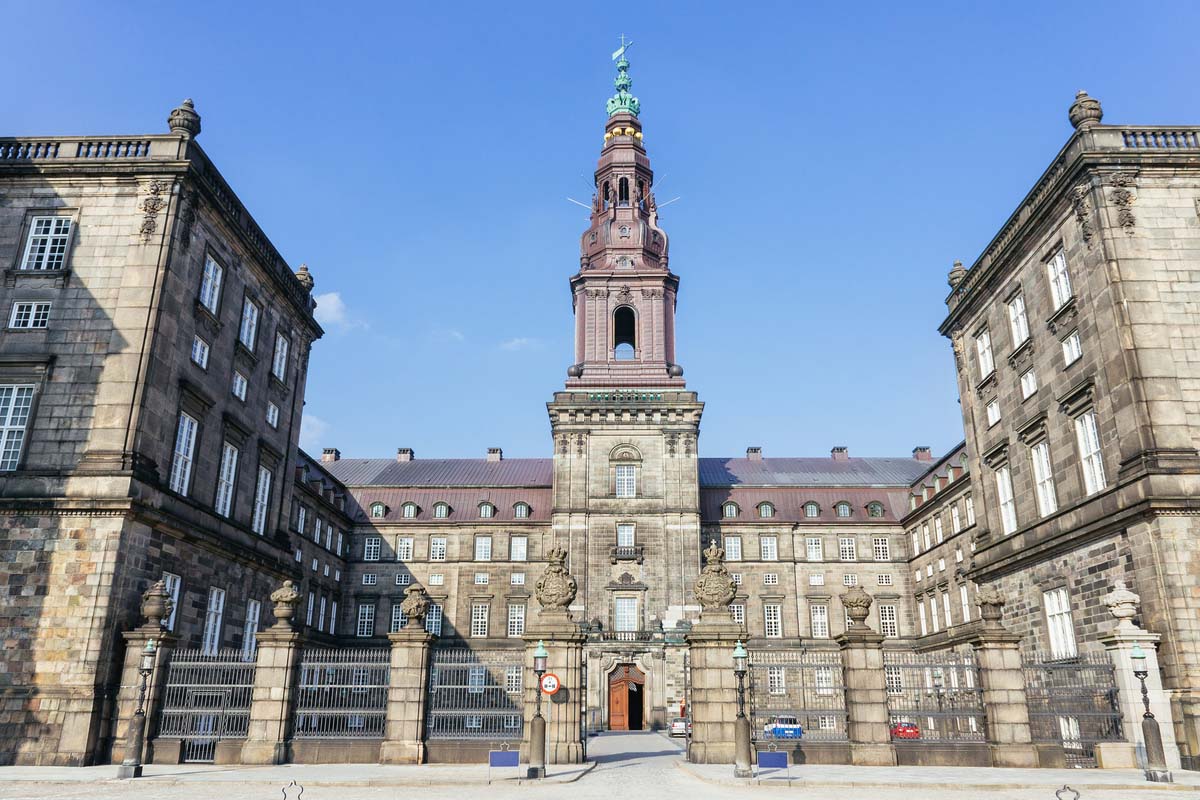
<point x="1156" y="760"/>
<point x="939" y="690"/>
<point x="131" y="767"/>
<point x="537" y="727"/>
<point x="741" y="727"/>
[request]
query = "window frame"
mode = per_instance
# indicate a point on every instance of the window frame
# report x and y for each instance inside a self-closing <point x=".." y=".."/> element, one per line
<point x="251" y="314"/>
<point x="1018" y="320"/>
<point x="1091" y="452"/>
<point x="227" y="474"/>
<point x="38" y="311"/>
<point x="211" y="283"/>
<point x="1059" y="279"/>
<point x="51" y="236"/>
<point x="625" y="481"/>
<point x="1043" y="478"/>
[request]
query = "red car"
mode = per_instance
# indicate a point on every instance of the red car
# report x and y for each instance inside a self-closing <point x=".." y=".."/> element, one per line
<point x="905" y="730"/>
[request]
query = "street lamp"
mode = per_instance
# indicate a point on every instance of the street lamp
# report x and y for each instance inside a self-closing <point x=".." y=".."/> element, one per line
<point x="1156" y="760"/>
<point x="741" y="727"/>
<point x="131" y="767"/>
<point x="940" y="690"/>
<point x="537" y="727"/>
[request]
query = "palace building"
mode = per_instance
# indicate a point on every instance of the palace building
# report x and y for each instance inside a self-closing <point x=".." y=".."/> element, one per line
<point x="152" y="376"/>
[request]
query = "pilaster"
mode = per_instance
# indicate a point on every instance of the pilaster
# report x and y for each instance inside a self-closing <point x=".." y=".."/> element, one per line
<point x="713" y="689"/>
<point x="408" y="677"/>
<point x="866" y="698"/>
<point x="271" y="700"/>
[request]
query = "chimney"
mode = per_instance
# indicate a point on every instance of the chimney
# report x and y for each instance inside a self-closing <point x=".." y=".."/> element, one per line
<point x="754" y="453"/>
<point x="495" y="454"/>
<point x="840" y="454"/>
<point x="404" y="454"/>
<point x="330" y="454"/>
<point x="922" y="454"/>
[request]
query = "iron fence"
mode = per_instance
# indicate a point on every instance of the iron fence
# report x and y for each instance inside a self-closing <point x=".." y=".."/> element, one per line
<point x="475" y="694"/>
<point x="934" y="697"/>
<point x="206" y="699"/>
<point x="1073" y="702"/>
<point x="795" y="693"/>
<point x="342" y="693"/>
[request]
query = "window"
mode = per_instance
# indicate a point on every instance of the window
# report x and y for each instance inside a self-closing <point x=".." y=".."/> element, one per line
<point x="1043" y="479"/>
<point x="404" y="548"/>
<point x="921" y="617"/>
<point x="729" y="510"/>
<point x="955" y="519"/>
<point x="818" y="614"/>
<point x="958" y="555"/>
<point x="1017" y="320"/>
<point x="437" y="579"/>
<point x="773" y="620"/>
<point x="248" y="331"/>
<point x="1072" y="348"/>
<point x="933" y="614"/>
<point x="1058" y="620"/>
<point x="481" y="579"/>
<point x="47" y="245"/>
<point x="766" y="510"/>
<point x="408" y="511"/>
<point x="200" y="352"/>
<point x="966" y="603"/>
<point x="771" y="579"/>
<point x="813" y="548"/>
<point x="849" y="580"/>
<point x="181" y="461"/>
<point x="172" y="583"/>
<point x="302" y="519"/>
<point x="513" y="682"/>
<point x="521" y="511"/>
<point x="733" y="548"/>
<point x="1089" y="452"/>
<point x="517" y="579"/>
<point x="486" y="511"/>
<point x="227" y="479"/>
<point x="937" y="529"/>
<point x="479" y="620"/>
<point x="378" y="510"/>
<point x="516" y="621"/>
<point x="625" y="535"/>
<point x="993" y="412"/>
<point x="1060" y="280"/>
<point x="272" y="415"/>
<point x="812" y="510"/>
<point x="842" y="509"/>
<point x="883" y="579"/>
<point x="846" y="549"/>
<point x="368" y="578"/>
<point x="371" y="548"/>
<point x="310" y="609"/>
<point x="1028" y="383"/>
<point x="625" y="614"/>
<point x="403" y="579"/>
<point x="925" y="533"/>
<point x="437" y="548"/>
<point x="366" y="620"/>
<point x="893" y="680"/>
<point x="476" y="680"/>
<point x="917" y="576"/>
<point x="518" y="548"/>
<point x="970" y="502"/>
<point x="875" y="510"/>
<point x="440" y="510"/>
<point x="983" y="346"/>
<point x="916" y="542"/>
<point x="262" y="501"/>
<point x="210" y="284"/>
<point x="946" y="608"/>
<point x="1008" y="507"/>
<point x="823" y="680"/>
<point x="279" y="362"/>
<point x="29" y="315"/>
<point x="433" y="619"/>
<point x="483" y="548"/>
<point x="941" y="565"/>
<point x="816" y="579"/>
<point x="299" y="555"/>
<point x="399" y="618"/>
<point x="738" y="610"/>
<point x="881" y="548"/>
<point x="339" y="544"/>
<point x="775" y="680"/>
<point x="768" y="548"/>
<point x="626" y="475"/>
<point x="212" y="621"/>
<point x="736" y="577"/>
<point x="321" y="615"/>
<point x="239" y="386"/>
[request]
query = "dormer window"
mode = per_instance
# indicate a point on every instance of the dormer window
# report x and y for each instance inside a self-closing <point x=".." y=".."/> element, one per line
<point x="441" y="510"/>
<point x="766" y="510"/>
<point x="812" y="510"/>
<point x="875" y="509"/>
<point x="521" y="511"/>
<point x="843" y="509"/>
<point x="409" y="510"/>
<point x="729" y="510"/>
<point x="486" y="511"/>
<point x="378" y="510"/>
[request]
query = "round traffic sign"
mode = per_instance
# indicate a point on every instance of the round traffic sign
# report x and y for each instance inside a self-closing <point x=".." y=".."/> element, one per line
<point x="550" y="683"/>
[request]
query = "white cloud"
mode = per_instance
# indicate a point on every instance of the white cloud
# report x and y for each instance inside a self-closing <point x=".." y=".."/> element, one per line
<point x="518" y="343"/>
<point x="447" y="335"/>
<point x="312" y="431"/>
<point x="331" y="312"/>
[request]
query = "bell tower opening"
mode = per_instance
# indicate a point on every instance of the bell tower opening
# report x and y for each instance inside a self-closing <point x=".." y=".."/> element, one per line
<point x="624" y="334"/>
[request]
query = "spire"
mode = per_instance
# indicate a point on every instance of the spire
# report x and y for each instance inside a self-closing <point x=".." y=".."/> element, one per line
<point x="623" y="101"/>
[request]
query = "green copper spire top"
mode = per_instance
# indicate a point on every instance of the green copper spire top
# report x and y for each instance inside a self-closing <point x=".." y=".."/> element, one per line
<point x="623" y="101"/>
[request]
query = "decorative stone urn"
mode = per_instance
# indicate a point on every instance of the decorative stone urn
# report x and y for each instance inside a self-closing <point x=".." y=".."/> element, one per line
<point x="1085" y="111"/>
<point x="305" y="277"/>
<point x="991" y="605"/>
<point x="285" y="598"/>
<point x="415" y="606"/>
<point x="156" y="604"/>
<point x="957" y="274"/>
<point x="858" y="606"/>
<point x="715" y="588"/>
<point x="184" y="119"/>
<point x="1122" y="604"/>
<point x="556" y="589"/>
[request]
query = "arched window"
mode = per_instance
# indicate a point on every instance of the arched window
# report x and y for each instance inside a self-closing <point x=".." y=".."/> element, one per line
<point x="641" y="193"/>
<point x="441" y="510"/>
<point x="521" y="511"/>
<point x="410" y="510"/>
<point x="486" y="511"/>
<point x="875" y="509"/>
<point x="812" y="509"/>
<point x="623" y="192"/>
<point x="624" y="333"/>
<point x="766" y="510"/>
<point x="729" y="510"/>
<point x="624" y="461"/>
<point x="378" y="510"/>
<point x="607" y="195"/>
<point x="843" y="509"/>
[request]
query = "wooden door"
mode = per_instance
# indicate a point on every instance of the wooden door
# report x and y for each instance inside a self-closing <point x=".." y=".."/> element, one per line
<point x="618" y="706"/>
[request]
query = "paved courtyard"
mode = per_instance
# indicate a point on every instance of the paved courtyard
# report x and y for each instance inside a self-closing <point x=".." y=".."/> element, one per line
<point x="627" y="765"/>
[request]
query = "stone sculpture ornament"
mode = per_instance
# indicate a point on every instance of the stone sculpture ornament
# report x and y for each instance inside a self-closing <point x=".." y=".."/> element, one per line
<point x="991" y="604"/>
<point x="1122" y="604"/>
<point x="556" y="589"/>
<point x="858" y="606"/>
<point x="285" y="598"/>
<point x="715" y="588"/>
<point x="415" y="605"/>
<point x="156" y="604"/>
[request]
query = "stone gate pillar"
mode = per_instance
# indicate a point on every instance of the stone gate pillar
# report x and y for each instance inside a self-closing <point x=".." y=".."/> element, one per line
<point x="274" y="683"/>
<point x="711" y="642"/>
<point x="156" y="606"/>
<point x="408" y="679"/>
<point x="1002" y="684"/>
<point x="866" y="685"/>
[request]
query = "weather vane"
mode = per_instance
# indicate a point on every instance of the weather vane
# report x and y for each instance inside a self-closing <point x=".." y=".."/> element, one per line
<point x="621" y="50"/>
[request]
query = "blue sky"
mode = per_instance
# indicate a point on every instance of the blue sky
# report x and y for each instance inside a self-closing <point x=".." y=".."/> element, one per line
<point x="832" y="162"/>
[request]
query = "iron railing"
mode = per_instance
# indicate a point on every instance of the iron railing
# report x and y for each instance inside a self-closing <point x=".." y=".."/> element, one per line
<point x="796" y="693"/>
<point x="206" y="699"/>
<point x="1073" y="702"/>
<point x="342" y="693"/>
<point x="475" y="694"/>
<point x="934" y="697"/>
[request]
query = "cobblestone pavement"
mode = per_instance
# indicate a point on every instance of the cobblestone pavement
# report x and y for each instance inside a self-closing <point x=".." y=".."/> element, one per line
<point x="627" y="765"/>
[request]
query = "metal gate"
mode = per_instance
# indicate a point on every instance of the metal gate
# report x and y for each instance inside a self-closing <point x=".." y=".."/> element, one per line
<point x="206" y="699"/>
<point x="475" y="694"/>
<point x="342" y="693"/>
<point x="934" y="697"/>
<point x="794" y="694"/>
<point x="1073" y="702"/>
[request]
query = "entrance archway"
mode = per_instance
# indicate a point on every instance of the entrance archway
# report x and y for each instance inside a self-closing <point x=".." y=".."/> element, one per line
<point x="626" y="698"/>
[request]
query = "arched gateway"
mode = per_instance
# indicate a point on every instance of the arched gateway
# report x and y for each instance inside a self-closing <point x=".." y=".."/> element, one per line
<point x="626" y="703"/>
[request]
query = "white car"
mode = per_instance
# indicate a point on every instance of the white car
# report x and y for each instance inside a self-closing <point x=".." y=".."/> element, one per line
<point x="680" y="727"/>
